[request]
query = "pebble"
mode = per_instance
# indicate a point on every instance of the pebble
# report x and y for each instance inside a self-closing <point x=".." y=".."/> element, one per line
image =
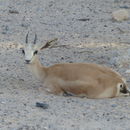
<point x="25" y="25"/>
<point x="127" y="71"/>
<point x="3" y="102"/>
<point x="42" y="105"/>
<point x="1" y="92"/>
<point x="13" y="11"/>
<point x="108" y="119"/>
<point x="83" y="19"/>
<point x="113" y="105"/>
<point x="116" y="1"/>
<point x="125" y="7"/>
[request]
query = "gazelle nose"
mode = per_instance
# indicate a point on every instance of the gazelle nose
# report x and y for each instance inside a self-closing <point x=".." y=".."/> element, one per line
<point x="27" y="61"/>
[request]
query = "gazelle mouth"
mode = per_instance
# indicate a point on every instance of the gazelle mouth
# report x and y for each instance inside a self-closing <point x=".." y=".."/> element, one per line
<point x="27" y="62"/>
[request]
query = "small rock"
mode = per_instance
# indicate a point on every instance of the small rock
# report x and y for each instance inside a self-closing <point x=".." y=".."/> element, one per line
<point x="7" y="69"/>
<point x="25" y="25"/>
<point x="25" y="104"/>
<point x="122" y="117"/>
<point x="108" y="119"/>
<point x="83" y="19"/>
<point x="72" y="125"/>
<point x="21" y="79"/>
<point x="114" y="105"/>
<point x="62" y="58"/>
<point x="45" y="128"/>
<point x="13" y="11"/>
<point x="84" y="114"/>
<point x="42" y="105"/>
<point x="116" y="1"/>
<point x="120" y="15"/>
<point x="125" y="7"/>
<point x="1" y="92"/>
<point x="127" y="71"/>
<point x="5" y="29"/>
<point x="3" y="102"/>
<point x="107" y="114"/>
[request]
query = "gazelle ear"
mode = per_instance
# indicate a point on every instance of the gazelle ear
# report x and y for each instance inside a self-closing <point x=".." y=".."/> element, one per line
<point x="49" y="44"/>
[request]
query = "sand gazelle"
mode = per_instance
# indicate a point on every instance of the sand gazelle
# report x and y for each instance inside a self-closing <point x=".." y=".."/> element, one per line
<point x="79" y="79"/>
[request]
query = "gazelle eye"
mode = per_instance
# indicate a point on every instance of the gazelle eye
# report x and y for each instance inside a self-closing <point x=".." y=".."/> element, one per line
<point x="23" y="51"/>
<point x="121" y="86"/>
<point x="35" y="52"/>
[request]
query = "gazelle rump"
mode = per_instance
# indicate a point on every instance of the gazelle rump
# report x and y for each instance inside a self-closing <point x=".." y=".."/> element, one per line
<point x="79" y="79"/>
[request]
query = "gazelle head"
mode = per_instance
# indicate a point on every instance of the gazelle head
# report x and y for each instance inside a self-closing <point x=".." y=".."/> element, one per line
<point x="30" y="50"/>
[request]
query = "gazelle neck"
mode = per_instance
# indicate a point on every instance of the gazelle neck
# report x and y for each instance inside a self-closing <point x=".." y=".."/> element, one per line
<point x="37" y="68"/>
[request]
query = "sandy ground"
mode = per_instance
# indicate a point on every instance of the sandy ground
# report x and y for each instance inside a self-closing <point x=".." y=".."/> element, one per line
<point x="86" y="33"/>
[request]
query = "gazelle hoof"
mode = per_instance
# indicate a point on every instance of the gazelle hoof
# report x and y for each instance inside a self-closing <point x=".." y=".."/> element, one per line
<point x="66" y="94"/>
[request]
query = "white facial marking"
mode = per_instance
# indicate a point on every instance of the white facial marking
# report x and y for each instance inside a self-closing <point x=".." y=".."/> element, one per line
<point x="29" y="53"/>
